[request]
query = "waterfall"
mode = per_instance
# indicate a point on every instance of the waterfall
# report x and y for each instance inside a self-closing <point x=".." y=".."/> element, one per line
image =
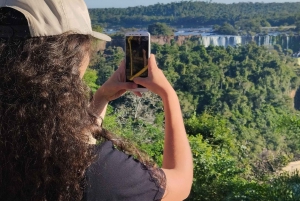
<point x="285" y="41"/>
<point x="215" y="41"/>
<point x="206" y="41"/>
<point x="219" y="40"/>
<point x="267" y="40"/>
<point x="238" y="40"/>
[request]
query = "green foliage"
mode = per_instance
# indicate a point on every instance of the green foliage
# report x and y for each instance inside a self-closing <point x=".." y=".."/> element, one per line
<point x="90" y="77"/>
<point x="214" y="129"/>
<point x="214" y="171"/>
<point x="226" y="29"/>
<point x="253" y="25"/>
<point x="97" y="28"/>
<point x="297" y="26"/>
<point x="160" y="29"/>
<point x="265" y="23"/>
<point x="147" y="137"/>
<point x="217" y="176"/>
<point x="278" y="48"/>
<point x="290" y="125"/>
<point x="106" y="65"/>
<point x="200" y="13"/>
<point x="247" y="85"/>
<point x="291" y="122"/>
<point x="283" y="187"/>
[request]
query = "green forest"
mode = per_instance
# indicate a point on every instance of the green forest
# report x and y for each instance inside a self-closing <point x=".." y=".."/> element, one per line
<point x="240" y="104"/>
<point x="243" y="16"/>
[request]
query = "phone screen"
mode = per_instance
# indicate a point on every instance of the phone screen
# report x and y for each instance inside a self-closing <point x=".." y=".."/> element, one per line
<point x="137" y="53"/>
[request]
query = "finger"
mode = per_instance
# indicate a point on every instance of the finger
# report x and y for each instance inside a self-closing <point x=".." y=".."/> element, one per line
<point x="152" y="62"/>
<point x="139" y="94"/>
<point x="120" y="93"/>
<point x="122" y="65"/>
<point x="121" y="71"/>
<point x="121" y="68"/>
<point x="140" y="81"/>
<point x="117" y="95"/>
<point x="127" y="85"/>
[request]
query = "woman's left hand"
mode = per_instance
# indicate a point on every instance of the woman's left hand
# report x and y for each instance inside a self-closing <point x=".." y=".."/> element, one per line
<point x="112" y="89"/>
<point x="115" y="86"/>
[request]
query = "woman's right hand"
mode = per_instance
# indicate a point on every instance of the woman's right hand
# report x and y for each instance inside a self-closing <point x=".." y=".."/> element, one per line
<point x="156" y="80"/>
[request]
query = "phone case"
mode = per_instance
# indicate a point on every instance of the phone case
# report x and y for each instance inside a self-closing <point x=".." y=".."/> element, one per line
<point x="137" y="53"/>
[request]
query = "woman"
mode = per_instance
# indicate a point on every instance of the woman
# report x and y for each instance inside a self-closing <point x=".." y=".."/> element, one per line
<point x="48" y="125"/>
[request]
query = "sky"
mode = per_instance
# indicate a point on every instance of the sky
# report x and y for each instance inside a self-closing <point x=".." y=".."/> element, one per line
<point x="130" y="3"/>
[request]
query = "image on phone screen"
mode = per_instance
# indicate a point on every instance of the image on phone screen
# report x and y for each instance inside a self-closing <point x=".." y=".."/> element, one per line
<point x="137" y="53"/>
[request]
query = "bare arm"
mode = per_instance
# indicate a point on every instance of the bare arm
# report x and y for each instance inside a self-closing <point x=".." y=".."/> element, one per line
<point x="177" y="158"/>
<point x="99" y="105"/>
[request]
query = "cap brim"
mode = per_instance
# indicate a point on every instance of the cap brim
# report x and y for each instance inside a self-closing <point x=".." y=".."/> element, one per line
<point x="101" y="36"/>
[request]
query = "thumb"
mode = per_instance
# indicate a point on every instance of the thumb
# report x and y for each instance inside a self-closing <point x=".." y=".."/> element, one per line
<point x="141" y="81"/>
<point x="127" y="85"/>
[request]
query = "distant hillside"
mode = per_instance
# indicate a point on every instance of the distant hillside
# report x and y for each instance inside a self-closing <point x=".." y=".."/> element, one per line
<point x="195" y="13"/>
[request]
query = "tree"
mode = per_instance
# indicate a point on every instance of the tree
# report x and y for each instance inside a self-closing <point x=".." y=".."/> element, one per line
<point x="197" y="13"/>
<point x="278" y="48"/>
<point x="226" y="29"/>
<point x="265" y="23"/>
<point x="97" y="28"/>
<point x="160" y="29"/>
<point x="297" y="26"/>
<point x="90" y="77"/>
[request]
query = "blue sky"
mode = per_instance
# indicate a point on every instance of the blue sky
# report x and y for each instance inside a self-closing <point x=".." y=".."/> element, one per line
<point x="128" y="3"/>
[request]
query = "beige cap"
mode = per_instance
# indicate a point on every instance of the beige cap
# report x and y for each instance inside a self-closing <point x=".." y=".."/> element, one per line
<point x="55" y="17"/>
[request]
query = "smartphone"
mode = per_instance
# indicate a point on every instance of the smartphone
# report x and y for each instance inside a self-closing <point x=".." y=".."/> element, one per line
<point x="137" y="53"/>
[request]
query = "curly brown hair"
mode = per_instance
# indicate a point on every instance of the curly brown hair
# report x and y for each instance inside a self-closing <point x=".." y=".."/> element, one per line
<point x="43" y="112"/>
<point x="45" y="119"/>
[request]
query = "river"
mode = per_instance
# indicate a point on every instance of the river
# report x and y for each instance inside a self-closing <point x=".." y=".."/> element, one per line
<point x="284" y="39"/>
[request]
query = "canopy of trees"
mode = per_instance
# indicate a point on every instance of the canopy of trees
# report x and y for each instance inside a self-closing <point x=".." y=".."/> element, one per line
<point x="160" y="29"/>
<point x="197" y="13"/>
<point x="226" y="29"/>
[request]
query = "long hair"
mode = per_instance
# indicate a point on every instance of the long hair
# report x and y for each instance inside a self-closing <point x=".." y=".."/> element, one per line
<point x="45" y="121"/>
<point x="43" y="117"/>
